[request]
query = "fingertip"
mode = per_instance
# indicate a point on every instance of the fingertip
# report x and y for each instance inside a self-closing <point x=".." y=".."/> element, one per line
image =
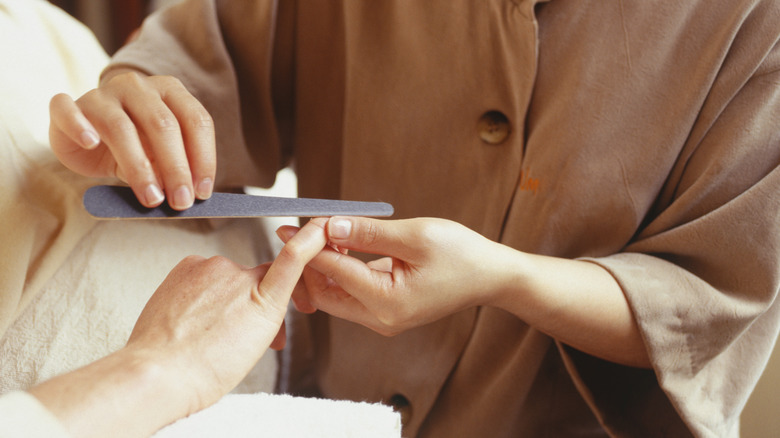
<point x="182" y="198"/>
<point x="153" y="195"/>
<point x="286" y="232"/>
<point x="205" y="188"/>
<point x="339" y="228"/>
<point x="89" y="139"/>
<point x="67" y="115"/>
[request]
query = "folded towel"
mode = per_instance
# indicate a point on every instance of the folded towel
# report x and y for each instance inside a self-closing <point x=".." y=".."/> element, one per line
<point x="266" y="415"/>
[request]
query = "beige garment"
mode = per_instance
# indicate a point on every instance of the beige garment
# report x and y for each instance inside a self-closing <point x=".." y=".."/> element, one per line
<point x="642" y="136"/>
<point x="39" y="199"/>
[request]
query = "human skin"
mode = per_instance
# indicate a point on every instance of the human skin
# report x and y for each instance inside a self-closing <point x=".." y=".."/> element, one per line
<point x="200" y="333"/>
<point x="435" y="267"/>
<point x="576" y="302"/>
<point x="148" y="131"/>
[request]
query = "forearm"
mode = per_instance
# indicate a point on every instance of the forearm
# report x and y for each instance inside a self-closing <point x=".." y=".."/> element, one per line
<point x="576" y="302"/>
<point x="119" y="395"/>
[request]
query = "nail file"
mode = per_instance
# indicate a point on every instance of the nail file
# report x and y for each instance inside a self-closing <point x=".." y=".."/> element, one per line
<point x="117" y="202"/>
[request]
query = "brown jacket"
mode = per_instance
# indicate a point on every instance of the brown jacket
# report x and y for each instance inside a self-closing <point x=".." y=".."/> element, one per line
<point x="642" y="136"/>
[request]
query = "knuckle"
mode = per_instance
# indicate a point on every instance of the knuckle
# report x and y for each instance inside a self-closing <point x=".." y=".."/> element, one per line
<point x="199" y="118"/>
<point x="166" y="81"/>
<point x="119" y="123"/>
<point x="126" y="79"/>
<point x="193" y="258"/>
<point x="292" y="250"/>
<point x="191" y="261"/>
<point x="388" y="328"/>
<point x="371" y="233"/>
<point x="392" y="319"/>
<point x="178" y="169"/>
<point x="222" y="266"/>
<point x="137" y="170"/>
<point x="220" y="262"/>
<point x="162" y="121"/>
<point x="426" y="231"/>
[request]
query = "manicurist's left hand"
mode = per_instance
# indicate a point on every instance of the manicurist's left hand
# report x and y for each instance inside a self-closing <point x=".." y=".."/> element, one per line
<point x="432" y="268"/>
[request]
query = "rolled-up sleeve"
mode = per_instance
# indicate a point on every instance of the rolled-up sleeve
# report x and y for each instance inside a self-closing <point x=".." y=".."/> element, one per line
<point x="702" y="277"/>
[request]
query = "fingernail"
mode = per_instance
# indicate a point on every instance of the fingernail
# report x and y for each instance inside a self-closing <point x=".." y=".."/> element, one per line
<point x="205" y="187"/>
<point x="89" y="139"/>
<point x="339" y="228"/>
<point x="286" y="233"/>
<point x="154" y="195"/>
<point x="182" y="198"/>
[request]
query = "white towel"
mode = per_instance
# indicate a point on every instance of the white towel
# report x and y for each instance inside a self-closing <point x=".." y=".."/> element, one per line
<point x="265" y="415"/>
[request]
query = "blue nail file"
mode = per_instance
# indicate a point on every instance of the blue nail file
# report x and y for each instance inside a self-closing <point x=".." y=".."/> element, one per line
<point x="117" y="202"/>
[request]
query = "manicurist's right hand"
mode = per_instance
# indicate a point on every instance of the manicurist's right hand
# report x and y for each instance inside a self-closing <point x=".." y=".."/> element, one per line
<point x="148" y="131"/>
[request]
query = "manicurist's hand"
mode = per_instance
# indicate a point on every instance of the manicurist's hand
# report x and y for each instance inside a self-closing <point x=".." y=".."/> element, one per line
<point x="148" y="131"/>
<point x="433" y="267"/>
<point x="201" y="332"/>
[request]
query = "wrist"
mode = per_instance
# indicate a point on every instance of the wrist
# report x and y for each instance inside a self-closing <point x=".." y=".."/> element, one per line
<point x="124" y="394"/>
<point x="511" y="274"/>
<point x="161" y="381"/>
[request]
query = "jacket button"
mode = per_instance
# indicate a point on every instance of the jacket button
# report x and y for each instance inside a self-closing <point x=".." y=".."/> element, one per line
<point x="401" y="404"/>
<point x="493" y="127"/>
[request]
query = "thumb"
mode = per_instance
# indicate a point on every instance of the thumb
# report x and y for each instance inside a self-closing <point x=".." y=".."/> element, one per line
<point x="373" y="236"/>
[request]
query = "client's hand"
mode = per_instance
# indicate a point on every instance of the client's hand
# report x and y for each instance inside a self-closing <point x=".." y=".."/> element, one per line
<point x="203" y="329"/>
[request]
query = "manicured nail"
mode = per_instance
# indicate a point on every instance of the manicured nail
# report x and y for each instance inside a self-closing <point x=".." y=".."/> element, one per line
<point x="89" y="139"/>
<point x="339" y="228"/>
<point x="286" y="233"/>
<point x="205" y="187"/>
<point x="182" y="198"/>
<point x="154" y="195"/>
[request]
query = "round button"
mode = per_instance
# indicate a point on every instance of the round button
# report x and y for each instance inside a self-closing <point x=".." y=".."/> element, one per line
<point x="401" y="404"/>
<point x="493" y="127"/>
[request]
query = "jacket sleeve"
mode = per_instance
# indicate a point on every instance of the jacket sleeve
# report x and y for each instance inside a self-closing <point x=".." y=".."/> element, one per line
<point x="703" y="274"/>
<point x="222" y="51"/>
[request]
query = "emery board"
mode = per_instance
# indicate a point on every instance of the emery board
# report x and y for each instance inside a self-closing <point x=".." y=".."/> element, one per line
<point x="118" y="202"/>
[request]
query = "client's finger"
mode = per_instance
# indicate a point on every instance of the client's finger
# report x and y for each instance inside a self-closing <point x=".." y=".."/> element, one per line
<point x="278" y="284"/>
